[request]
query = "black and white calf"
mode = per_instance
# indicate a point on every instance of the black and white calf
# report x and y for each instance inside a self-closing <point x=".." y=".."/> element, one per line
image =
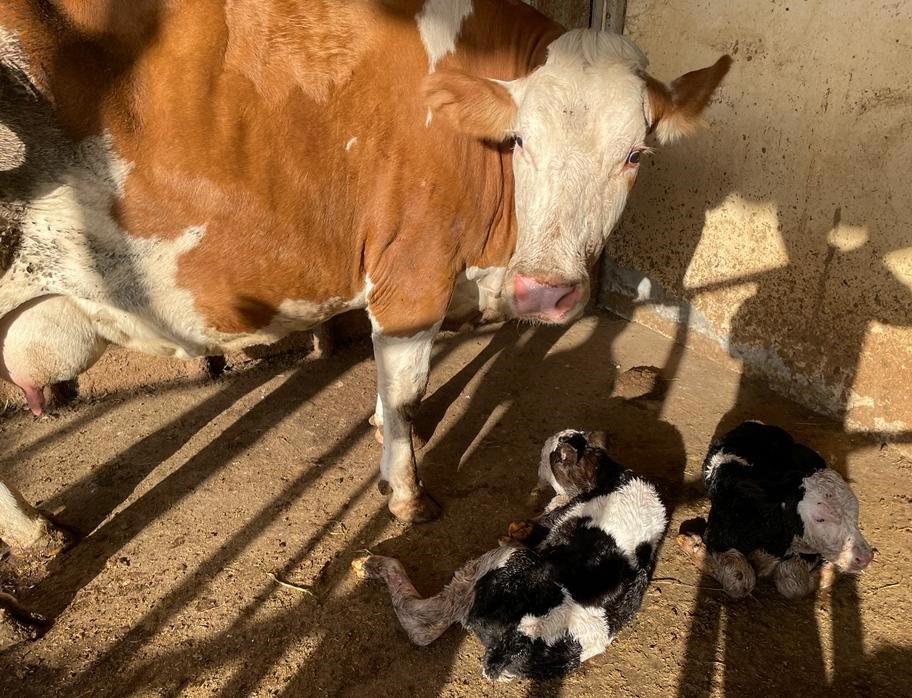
<point x="776" y="511"/>
<point x="544" y="605"/>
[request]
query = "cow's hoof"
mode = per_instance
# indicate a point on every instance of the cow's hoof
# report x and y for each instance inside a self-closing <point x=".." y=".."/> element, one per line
<point x="520" y="530"/>
<point x="763" y="563"/>
<point x="421" y="509"/>
<point x="54" y="539"/>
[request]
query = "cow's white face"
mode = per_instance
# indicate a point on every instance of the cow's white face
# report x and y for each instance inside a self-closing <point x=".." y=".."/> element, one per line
<point x="580" y="131"/>
<point x="579" y="124"/>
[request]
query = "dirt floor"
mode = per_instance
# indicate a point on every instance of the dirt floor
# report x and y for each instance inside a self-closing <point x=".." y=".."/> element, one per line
<point x="196" y="497"/>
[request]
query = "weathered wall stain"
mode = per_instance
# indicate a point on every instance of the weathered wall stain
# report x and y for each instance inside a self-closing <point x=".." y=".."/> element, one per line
<point x="784" y="228"/>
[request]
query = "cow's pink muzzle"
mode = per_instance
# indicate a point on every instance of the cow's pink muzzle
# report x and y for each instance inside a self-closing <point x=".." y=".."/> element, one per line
<point x="541" y="299"/>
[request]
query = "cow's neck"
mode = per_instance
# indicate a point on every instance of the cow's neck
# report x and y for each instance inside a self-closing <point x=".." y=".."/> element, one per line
<point x="509" y="40"/>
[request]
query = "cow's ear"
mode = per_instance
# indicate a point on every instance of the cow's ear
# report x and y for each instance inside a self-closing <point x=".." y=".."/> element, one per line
<point x="676" y="109"/>
<point x="475" y="106"/>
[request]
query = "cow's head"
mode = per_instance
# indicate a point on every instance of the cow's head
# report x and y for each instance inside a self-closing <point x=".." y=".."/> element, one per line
<point x="579" y="125"/>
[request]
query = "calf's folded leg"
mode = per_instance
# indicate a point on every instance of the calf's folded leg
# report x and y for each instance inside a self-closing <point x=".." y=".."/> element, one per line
<point x="730" y="568"/>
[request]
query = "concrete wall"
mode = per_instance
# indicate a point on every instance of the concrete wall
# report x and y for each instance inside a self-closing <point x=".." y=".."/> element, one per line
<point x="781" y="234"/>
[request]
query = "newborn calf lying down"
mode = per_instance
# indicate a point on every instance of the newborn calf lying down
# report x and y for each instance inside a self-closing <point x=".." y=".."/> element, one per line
<point x="776" y="511"/>
<point x="543" y="605"/>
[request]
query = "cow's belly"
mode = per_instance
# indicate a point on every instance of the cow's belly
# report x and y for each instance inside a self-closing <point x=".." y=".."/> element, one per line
<point x="127" y="286"/>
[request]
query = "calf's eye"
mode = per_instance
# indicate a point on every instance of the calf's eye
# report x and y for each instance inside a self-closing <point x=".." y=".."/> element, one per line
<point x="634" y="157"/>
<point x="517" y="141"/>
<point x="818" y="519"/>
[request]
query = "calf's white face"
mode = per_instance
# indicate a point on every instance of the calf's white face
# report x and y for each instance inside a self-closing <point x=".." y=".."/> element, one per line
<point x="579" y="124"/>
<point x="829" y="514"/>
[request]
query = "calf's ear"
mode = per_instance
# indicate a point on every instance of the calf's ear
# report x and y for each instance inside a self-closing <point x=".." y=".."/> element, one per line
<point x="676" y="109"/>
<point x="599" y="438"/>
<point x="474" y="106"/>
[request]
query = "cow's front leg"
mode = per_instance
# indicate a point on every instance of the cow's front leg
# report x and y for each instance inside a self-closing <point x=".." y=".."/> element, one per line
<point x="30" y="535"/>
<point x="402" y="374"/>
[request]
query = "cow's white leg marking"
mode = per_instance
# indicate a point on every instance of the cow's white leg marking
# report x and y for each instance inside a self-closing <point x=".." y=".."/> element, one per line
<point x="21" y="525"/>
<point x="439" y="23"/>
<point x="402" y="374"/>
<point x="27" y="531"/>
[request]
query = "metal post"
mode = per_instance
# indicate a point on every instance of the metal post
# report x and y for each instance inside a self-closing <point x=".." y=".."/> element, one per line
<point x="608" y="15"/>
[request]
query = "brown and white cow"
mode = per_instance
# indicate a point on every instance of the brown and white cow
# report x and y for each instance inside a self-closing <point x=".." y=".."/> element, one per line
<point x="190" y="177"/>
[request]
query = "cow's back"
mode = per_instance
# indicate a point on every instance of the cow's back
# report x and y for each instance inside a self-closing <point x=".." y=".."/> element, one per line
<point x="269" y="153"/>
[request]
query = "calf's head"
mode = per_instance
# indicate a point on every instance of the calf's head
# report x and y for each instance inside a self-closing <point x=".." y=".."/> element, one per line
<point x="574" y="462"/>
<point x="829" y="514"/>
<point x="578" y="124"/>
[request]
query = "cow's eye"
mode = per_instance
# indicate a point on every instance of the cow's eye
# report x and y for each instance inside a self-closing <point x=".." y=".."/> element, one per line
<point x="517" y="141"/>
<point x="634" y="157"/>
<point x="819" y="519"/>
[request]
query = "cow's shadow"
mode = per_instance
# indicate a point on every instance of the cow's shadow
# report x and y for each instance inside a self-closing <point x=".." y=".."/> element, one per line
<point x="497" y="438"/>
<point x="530" y="390"/>
<point x="87" y="504"/>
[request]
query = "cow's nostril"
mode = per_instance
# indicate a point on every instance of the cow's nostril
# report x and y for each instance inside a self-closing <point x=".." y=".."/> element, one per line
<point x="547" y="297"/>
<point x="569" y="299"/>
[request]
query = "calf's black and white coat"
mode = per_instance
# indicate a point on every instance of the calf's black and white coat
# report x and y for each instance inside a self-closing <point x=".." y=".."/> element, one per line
<point x="777" y="510"/>
<point x="543" y="606"/>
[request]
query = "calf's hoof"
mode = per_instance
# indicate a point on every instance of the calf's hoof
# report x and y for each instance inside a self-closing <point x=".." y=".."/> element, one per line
<point x="692" y="544"/>
<point x="520" y="530"/>
<point x="420" y="509"/>
<point x="735" y="573"/>
<point x="794" y="579"/>
<point x="365" y="567"/>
